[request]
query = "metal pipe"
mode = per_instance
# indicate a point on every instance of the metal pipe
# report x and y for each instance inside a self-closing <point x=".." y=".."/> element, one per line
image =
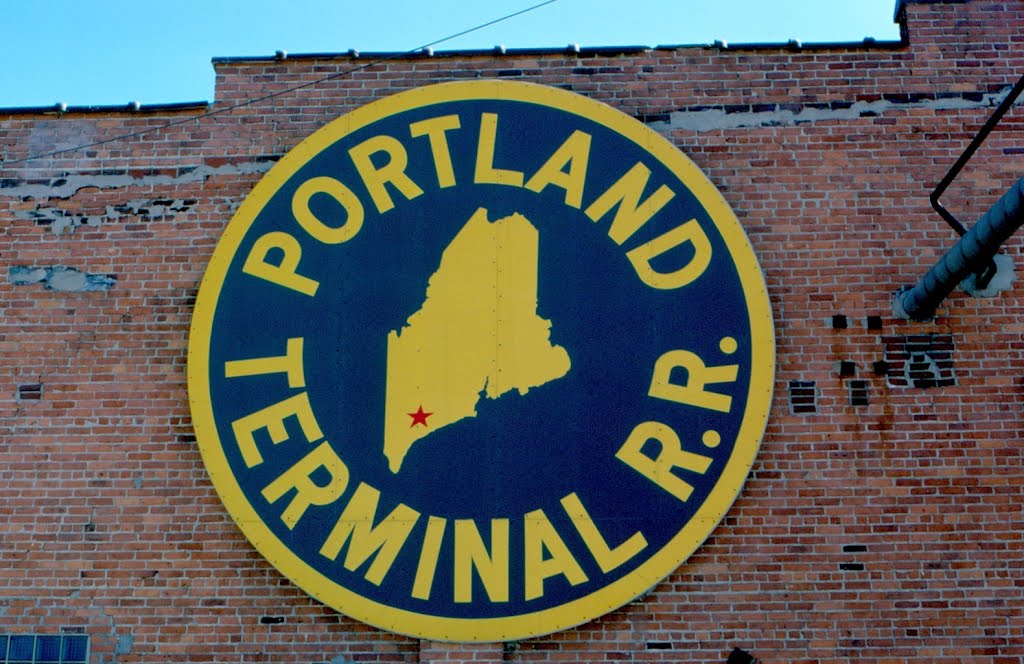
<point x="974" y="249"/>
<point x="987" y="269"/>
<point x="975" y="143"/>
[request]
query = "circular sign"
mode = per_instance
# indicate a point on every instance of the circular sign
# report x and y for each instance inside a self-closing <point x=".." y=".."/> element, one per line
<point x="480" y="361"/>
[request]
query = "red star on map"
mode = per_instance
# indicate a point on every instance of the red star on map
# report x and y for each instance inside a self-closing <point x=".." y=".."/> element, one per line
<point x="419" y="417"/>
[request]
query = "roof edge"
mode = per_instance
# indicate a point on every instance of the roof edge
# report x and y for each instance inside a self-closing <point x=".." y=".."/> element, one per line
<point x="133" y="107"/>
<point x="589" y="51"/>
<point x="572" y="49"/>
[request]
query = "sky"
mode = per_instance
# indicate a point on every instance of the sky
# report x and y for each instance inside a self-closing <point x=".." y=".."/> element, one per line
<point x="110" y="52"/>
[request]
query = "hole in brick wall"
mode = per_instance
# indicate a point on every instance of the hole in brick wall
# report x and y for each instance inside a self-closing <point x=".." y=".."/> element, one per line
<point x="851" y="567"/>
<point x="272" y="620"/>
<point x="920" y="361"/>
<point x="854" y="548"/>
<point x="874" y="322"/>
<point x="739" y="656"/>
<point x="846" y="369"/>
<point x="30" y="392"/>
<point x="839" y="322"/>
<point x="659" y="645"/>
<point x="859" y="394"/>
<point x="880" y="368"/>
<point x="803" y="396"/>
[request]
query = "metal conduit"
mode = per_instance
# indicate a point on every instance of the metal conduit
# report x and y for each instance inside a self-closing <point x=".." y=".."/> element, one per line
<point x="974" y="249"/>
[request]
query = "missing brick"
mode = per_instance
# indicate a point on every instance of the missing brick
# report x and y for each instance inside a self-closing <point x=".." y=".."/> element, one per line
<point x="803" y="397"/>
<point x="30" y="392"/>
<point x="859" y="393"/>
<point x="846" y="369"/>
<point x="920" y="361"/>
<point x="659" y="645"/>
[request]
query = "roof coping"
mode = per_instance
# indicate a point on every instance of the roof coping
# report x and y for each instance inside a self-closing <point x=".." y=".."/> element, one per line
<point x="590" y="51"/>
<point x="580" y="51"/>
<point x="61" y="108"/>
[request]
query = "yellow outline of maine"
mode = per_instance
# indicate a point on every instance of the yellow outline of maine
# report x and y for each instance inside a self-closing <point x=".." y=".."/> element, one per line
<point x="477" y="333"/>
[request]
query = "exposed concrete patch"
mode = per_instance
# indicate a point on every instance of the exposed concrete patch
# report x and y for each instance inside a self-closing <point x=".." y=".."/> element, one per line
<point x="69" y="184"/>
<point x="61" y="221"/>
<point x="60" y="278"/>
<point x="64" y="222"/>
<point x="153" y="208"/>
<point x="20" y="276"/>
<point x="124" y="644"/>
<point x="734" y="116"/>
<point x="1001" y="281"/>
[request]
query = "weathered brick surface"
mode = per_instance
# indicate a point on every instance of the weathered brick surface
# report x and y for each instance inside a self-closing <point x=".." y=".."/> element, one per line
<point x="889" y="532"/>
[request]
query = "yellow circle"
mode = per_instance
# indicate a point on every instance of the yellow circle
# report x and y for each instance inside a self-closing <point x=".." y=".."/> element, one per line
<point x="711" y="438"/>
<point x="572" y="613"/>
<point x="728" y="345"/>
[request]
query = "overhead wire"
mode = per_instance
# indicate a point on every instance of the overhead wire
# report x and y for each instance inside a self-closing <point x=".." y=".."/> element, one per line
<point x="256" y="100"/>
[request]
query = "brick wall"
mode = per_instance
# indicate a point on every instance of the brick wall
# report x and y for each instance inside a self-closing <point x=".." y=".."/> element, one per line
<point x="885" y="531"/>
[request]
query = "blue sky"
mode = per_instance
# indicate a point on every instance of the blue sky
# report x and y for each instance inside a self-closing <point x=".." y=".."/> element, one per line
<point x="87" y="52"/>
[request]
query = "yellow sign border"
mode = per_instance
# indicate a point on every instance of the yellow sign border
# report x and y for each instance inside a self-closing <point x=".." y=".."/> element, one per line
<point x="578" y="611"/>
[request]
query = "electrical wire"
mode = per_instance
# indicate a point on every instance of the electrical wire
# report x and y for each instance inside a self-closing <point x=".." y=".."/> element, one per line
<point x="256" y="100"/>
